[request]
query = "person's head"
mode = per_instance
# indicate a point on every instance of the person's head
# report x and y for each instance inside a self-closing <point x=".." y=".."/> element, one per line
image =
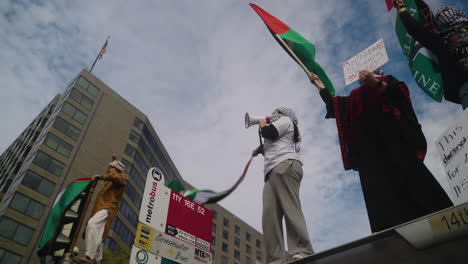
<point x="287" y="112"/>
<point x="117" y="165"/>
<point x="449" y="17"/>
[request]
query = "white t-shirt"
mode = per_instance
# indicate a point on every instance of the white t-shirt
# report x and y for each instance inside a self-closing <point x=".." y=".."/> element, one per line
<point x="283" y="147"/>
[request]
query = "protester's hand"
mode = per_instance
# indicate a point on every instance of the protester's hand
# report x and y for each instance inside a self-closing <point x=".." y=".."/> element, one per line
<point x="262" y="123"/>
<point x="368" y="78"/>
<point x="257" y="151"/>
<point x="95" y="178"/>
<point x="313" y="77"/>
<point x="398" y="4"/>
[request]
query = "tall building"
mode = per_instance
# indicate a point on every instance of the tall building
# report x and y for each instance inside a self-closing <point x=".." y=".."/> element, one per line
<point x="75" y="136"/>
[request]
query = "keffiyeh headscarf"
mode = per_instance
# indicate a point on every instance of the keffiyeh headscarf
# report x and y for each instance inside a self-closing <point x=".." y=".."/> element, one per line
<point x="449" y="18"/>
<point x="284" y="111"/>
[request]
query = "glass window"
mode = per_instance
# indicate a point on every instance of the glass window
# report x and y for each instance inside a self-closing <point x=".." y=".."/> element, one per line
<point x="237" y="242"/>
<point x="259" y="255"/>
<point x="74" y="113"/>
<point x="224" y="247"/>
<point x="36" y="182"/>
<point x="83" y="83"/>
<point x="9" y="257"/>
<point x="133" y="195"/>
<point x="248" y="249"/>
<point x="48" y="163"/>
<point x="81" y="99"/>
<point x="214" y="228"/>
<point x="134" y="136"/>
<point x="138" y="124"/>
<point x="27" y="206"/>
<point x="110" y="244"/>
<point x="10" y="229"/>
<point x="134" y="174"/>
<point x="66" y="128"/>
<point x="123" y="232"/>
<point x="247" y="260"/>
<point x="213" y="241"/>
<point x="258" y="243"/>
<point x="93" y="90"/>
<point x="236" y="254"/>
<point x="215" y="214"/>
<point x="224" y="260"/>
<point x="58" y="145"/>
<point x="225" y="234"/>
<point x="226" y="222"/>
<point x="127" y="211"/>
<point x="237" y="229"/>
<point x="247" y="236"/>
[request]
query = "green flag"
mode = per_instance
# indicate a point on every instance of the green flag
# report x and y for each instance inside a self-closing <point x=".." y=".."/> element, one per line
<point x="422" y="63"/>
<point x="299" y="48"/>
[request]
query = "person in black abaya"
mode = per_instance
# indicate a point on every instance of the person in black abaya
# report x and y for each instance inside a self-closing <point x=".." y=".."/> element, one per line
<point x="380" y="137"/>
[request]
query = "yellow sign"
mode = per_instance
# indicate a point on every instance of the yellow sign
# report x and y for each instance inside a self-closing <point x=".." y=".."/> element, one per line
<point x="144" y="237"/>
<point x="453" y="220"/>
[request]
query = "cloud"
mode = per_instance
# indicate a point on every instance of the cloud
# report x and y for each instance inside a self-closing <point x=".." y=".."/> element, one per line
<point x="195" y="68"/>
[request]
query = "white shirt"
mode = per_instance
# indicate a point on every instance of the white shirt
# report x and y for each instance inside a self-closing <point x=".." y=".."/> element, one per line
<point x="282" y="148"/>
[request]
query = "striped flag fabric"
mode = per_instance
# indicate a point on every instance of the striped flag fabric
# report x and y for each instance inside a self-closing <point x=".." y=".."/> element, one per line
<point x="300" y="49"/>
<point x="103" y="49"/>
<point x="422" y="62"/>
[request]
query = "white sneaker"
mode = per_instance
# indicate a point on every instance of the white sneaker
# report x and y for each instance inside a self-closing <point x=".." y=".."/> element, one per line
<point x="297" y="257"/>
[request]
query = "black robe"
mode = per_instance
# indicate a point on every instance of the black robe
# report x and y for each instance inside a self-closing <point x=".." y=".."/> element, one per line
<point x="381" y="138"/>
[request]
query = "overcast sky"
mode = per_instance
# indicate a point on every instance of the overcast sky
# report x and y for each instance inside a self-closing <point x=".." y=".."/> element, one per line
<point x="195" y="68"/>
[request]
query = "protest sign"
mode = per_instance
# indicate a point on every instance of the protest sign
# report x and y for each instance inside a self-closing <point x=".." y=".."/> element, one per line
<point x="370" y="59"/>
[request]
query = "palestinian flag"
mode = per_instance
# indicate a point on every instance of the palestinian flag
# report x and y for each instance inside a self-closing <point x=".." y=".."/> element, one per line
<point x="204" y="196"/>
<point x="62" y="204"/>
<point x="422" y="63"/>
<point x="300" y="49"/>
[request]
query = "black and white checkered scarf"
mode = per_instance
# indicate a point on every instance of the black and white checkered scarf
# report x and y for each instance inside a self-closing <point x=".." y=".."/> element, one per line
<point x="284" y="111"/>
<point x="449" y="19"/>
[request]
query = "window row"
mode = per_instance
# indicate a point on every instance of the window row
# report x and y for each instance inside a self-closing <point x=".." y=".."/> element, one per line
<point x="9" y="257"/>
<point x="27" y="206"/>
<point x="123" y="232"/>
<point x="48" y="163"/>
<point x="140" y="162"/>
<point x="37" y="183"/>
<point x="74" y="113"/>
<point x="85" y="84"/>
<point x="55" y="143"/>
<point x="66" y="128"/>
<point x="81" y="99"/>
<point x="127" y="211"/>
<point x="10" y="229"/>
<point x="134" y="174"/>
<point x="133" y="195"/>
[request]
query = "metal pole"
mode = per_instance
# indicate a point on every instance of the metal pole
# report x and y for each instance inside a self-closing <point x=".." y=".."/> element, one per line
<point x="98" y="55"/>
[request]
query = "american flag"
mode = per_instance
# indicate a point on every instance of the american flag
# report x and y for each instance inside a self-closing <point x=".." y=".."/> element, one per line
<point x="103" y="50"/>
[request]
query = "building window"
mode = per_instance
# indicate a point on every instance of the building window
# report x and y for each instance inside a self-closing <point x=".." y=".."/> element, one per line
<point x="225" y="234"/>
<point x="215" y="214"/>
<point x="236" y="254"/>
<point x="12" y="230"/>
<point x="214" y="228"/>
<point x="127" y="211"/>
<point x="81" y="99"/>
<point x="9" y="257"/>
<point x="247" y="260"/>
<point x="226" y="222"/>
<point x="237" y="242"/>
<point x="134" y="174"/>
<point x="138" y="124"/>
<point x="37" y="183"/>
<point x="83" y="83"/>
<point x="237" y="229"/>
<point x="213" y="241"/>
<point x="224" y="247"/>
<point x="58" y="145"/>
<point x="48" y="163"/>
<point x="140" y="162"/>
<point x="123" y="232"/>
<point x="212" y="253"/>
<point x="224" y="260"/>
<point x="259" y="255"/>
<point x="133" y="195"/>
<point x="247" y="236"/>
<point x="66" y="128"/>
<point x="27" y="206"/>
<point x="110" y="244"/>
<point x="134" y="136"/>
<point x="258" y="243"/>
<point x="248" y="249"/>
<point x="74" y="113"/>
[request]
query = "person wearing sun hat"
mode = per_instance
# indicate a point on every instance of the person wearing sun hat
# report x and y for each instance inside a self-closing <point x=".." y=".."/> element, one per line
<point x="104" y="211"/>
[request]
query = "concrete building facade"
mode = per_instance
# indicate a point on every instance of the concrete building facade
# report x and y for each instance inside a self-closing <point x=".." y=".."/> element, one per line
<point x="75" y="136"/>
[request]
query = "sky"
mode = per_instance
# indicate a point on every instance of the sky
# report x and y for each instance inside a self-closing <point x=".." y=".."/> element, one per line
<point x="195" y="68"/>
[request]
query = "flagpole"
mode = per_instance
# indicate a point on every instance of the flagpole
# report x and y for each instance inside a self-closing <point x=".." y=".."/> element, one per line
<point x="317" y="82"/>
<point x="98" y="55"/>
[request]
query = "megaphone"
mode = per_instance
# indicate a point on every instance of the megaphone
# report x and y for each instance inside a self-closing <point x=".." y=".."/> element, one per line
<point x="255" y="120"/>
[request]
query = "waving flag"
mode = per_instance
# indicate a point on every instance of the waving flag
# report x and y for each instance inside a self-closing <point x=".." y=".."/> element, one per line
<point x="422" y="63"/>
<point x="204" y="196"/>
<point x="300" y="49"/>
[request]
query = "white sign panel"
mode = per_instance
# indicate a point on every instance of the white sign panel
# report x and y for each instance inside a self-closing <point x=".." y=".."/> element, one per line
<point x="370" y="59"/>
<point x="155" y="201"/>
<point x="453" y="151"/>
<point x="141" y="256"/>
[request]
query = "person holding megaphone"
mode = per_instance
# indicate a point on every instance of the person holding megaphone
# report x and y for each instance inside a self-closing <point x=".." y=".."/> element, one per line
<point x="283" y="175"/>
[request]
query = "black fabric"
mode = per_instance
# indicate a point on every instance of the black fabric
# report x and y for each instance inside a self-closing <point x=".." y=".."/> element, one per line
<point x="269" y="132"/>
<point x="454" y="75"/>
<point x="397" y="186"/>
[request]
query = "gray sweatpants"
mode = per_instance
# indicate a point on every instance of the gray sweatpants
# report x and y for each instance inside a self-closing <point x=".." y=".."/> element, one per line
<point x="281" y="199"/>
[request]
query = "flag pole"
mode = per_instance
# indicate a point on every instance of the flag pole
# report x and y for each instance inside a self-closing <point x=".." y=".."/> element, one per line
<point x="98" y="55"/>
<point x="317" y="82"/>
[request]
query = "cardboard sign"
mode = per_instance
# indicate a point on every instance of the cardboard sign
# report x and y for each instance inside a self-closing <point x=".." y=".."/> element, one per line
<point x="453" y="149"/>
<point x="172" y="226"/>
<point x="370" y="59"/>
